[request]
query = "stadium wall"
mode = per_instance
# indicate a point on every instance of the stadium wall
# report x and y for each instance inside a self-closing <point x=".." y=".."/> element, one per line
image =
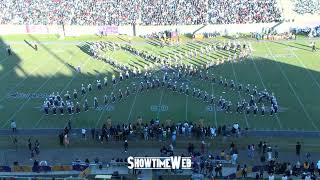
<point x="70" y="30"/>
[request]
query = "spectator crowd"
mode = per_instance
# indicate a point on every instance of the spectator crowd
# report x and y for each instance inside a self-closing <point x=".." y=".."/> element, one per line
<point x="243" y="11"/>
<point x="307" y="6"/>
<point x="154" y="130"/>
<point x="145" y="12"/>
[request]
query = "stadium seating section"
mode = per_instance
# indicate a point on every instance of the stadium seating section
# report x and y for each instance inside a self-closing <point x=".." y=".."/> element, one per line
<point x="145" y="12"/>
<point x="307" y="6"/>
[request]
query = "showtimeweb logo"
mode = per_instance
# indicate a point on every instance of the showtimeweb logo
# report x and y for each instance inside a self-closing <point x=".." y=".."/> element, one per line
<point x="172" y="162"/>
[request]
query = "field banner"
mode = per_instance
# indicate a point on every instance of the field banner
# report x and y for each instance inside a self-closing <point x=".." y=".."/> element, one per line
<point x="198" y="36"/>
<point x="107" y="30"/>
<point x="37" y="29"/>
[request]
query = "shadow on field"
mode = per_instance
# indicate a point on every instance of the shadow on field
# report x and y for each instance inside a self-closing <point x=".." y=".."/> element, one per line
<point x="246" y="72"/>
<point x="85" y="47"/>
<point x="297" y="47"/>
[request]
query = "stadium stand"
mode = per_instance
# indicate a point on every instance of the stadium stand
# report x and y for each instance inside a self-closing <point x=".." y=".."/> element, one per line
<point x="307" y="6"/>
<point x="173" y="12"/>
<point x="248" y="11"/>
<point x="145" y="12"/>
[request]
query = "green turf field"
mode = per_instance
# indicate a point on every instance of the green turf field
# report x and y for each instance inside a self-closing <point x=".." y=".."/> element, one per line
<point x="287" y="68"/>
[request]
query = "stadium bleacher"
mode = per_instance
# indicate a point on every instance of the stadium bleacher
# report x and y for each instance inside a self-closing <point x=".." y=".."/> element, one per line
<point x="307" y="6"/>
<point x="144" y="12"/>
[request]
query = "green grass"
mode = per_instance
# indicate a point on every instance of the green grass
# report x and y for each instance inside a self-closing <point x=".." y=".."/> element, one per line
<point x="287" y="68"/>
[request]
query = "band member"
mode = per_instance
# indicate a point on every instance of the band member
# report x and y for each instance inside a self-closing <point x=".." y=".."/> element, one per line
<point x="99" y="86"/>
<point x="313" y="46"/>
<point x="86" y="105"/>
<point x="95" y="102"/>
<point x="263" y="109"/>
<point x="105" y="81"/>
<point x="9" y="51"/>
<point x="83" y="90"/>
<point x="75" y="94"/>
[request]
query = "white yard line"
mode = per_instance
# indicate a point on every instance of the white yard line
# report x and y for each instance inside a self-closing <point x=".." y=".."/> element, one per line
<point x="236" y="80"/>
<point x="305" y="67"/>
<point x="102" y="113"/>
<point x="132" y="105"/>
<point x="261" y="80"/>
<point x="239" y="94"/>
<point x="214" y="108"/>
<point x="158" y="113"/>
<point x="291" y="87"/>
<point x="43" y="84"/>
<point x="186" y="108"/>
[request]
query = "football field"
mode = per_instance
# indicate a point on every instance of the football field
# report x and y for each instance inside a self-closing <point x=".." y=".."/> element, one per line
<point x="289" y="69"/>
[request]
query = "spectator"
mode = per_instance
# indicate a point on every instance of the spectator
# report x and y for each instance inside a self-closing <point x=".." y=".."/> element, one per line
<point x="298" y="149"/>
<point x="269" y="153"/>
<point x="234" y="158"/>
<point x="66" y="140"/>
<point x="83" y="132"/>
<point x="244" y="11"/>
<point x="144" y="12"/>
<point x="87" y="161"/>
<point x="173" y="12"/>
<point x="271" y="176"/>
<point x="244" y="171"/>
<point x="73" y="12"/>
<point x="307" y="6"/>
<point x="251" y="151"/>
<point x="126" y="145"/>
<point x="284" y="177"/>
<point x="13" y="126"/>
<point x="43" y="163"/>
<point x="173" y="138"/>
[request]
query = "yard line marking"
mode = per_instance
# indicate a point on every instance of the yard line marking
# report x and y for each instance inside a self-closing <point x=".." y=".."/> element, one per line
<point x="20" y="108"/>
<point x="214" y="108"/>
<point x="132" y="105"/>
<point x="186" y="108"/>
<point x="160" y="102"/>
<point x="65" y="87"/>
<point x="113" y="87"/>
<point x="102" y="113"/>
<point x="260" y="77"/>
<point x="239" y="94"/>
<point x="236" y="80"/>
<point x="291" y="87"/>
<point x="305" y="67"/>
